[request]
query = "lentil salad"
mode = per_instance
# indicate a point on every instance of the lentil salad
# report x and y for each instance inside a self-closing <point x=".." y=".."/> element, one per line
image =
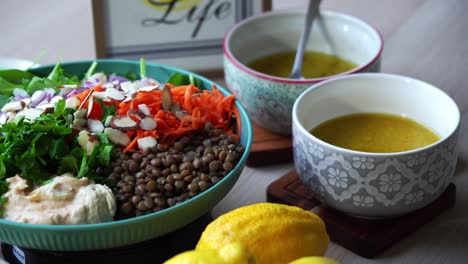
<point x="108" y="132"/>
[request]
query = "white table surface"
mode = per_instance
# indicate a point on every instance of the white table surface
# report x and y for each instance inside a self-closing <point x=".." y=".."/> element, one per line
<point x="425" y="39"/>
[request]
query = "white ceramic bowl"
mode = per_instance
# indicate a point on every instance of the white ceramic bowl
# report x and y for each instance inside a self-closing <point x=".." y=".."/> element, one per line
<point x="375" y="184"/>
<point x="269" y="99"/>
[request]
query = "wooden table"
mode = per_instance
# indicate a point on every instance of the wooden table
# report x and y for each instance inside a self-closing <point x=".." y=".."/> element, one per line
<point x="428" y="40"/>
<point x="425" y="39"/>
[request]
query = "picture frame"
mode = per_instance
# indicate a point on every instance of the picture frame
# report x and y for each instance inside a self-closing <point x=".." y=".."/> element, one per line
<point x="186" y="34"/>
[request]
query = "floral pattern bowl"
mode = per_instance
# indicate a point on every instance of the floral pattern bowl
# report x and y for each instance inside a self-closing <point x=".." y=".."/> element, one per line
<point x="269" y="99"/>
<point x="375" y="185"/>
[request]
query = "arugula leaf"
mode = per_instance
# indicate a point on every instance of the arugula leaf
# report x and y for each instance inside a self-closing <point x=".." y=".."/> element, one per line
<point x="58" y="148"/>
<point x="107" y="110"/>
<point x="105" y="154"/>
<point x="84" y="166"/>
<point x="68" y="163"/>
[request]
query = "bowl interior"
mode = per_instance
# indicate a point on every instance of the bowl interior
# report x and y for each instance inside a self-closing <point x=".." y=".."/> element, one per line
<point x="137" y="229"/>
<point x="332" y="33"/>
<point x="378" y="92"/>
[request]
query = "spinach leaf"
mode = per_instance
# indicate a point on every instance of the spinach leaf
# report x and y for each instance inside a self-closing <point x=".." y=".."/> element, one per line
<point x="4" y="99"/>
<point x="7" y="87"/>
<point x="16" y="76"/>
<point x="178" y="79"/>
<point x="38" y="83"/>
<point x="182" y="79"/>
<point x="131" y="76"/>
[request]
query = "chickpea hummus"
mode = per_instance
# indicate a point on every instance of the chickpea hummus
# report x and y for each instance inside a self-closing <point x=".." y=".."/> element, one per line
<point x="65" y="200"/>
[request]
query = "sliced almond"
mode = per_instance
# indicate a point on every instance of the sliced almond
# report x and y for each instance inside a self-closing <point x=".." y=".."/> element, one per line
<point x="72" y="102"/>
<point x="46" y="106"/>
<point x="13" y="106"/>
<point x="55" y="99"/>
<point x="114" y="94"/>
<point x="87" y="141"/>
<point x="100" y="76"/>
<point x="95" y="126"/>
<point x="26" y="101"/>
<point x="117" y="137"/>
<point x="146" y="142"/>
<point x="29" y="114"/>
<point x="148" y="123"/>
<point x="108" y="121"/>
<point x="126" y="86"/>
<point x="135" y="115"/>
<point x="100" y="95"/>
<point x="144" y="109"/>
<point x="90" y="105"/>
<point x="148" y="88"/>
<point x="123" y="123"/>
<point x="166" y="98"/>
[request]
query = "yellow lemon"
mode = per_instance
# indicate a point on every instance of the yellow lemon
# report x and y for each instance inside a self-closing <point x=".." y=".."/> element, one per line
<point x="232" y="253"/>
<point x="314" y="260"/>
<point x="272" y="233"/>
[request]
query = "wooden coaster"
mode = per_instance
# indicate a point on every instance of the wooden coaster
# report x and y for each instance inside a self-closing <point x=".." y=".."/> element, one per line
<point x="367" y="238"/>
<point x="269" y="148"/>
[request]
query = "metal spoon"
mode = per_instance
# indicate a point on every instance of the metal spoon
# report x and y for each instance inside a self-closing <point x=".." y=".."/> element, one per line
<point x="312" y="12"/>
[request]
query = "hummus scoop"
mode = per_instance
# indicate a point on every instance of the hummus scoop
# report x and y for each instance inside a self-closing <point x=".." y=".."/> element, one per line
<point x="65" y="200"/>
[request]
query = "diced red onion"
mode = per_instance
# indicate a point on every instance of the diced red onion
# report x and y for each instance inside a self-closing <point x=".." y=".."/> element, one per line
<point x="37" y="98"/>
<point x="91" y="82"/>
<point x="118" y="78"/>
<point x="50" y="92"/>
<point x="75" y="92"/>
<point x="18" y="92"/>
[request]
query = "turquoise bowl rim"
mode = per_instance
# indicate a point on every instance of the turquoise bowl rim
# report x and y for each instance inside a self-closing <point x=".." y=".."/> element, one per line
<point x="246" y="128"/>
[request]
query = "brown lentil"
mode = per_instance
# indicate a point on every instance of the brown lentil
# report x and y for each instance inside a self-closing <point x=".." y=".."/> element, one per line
<point x="163" y="176"/>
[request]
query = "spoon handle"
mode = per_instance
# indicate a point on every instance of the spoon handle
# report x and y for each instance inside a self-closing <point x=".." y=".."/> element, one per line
<point x="312" y="12"/>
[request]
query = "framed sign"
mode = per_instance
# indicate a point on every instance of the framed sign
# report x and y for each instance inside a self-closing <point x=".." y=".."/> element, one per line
<point x="181" y="33"/>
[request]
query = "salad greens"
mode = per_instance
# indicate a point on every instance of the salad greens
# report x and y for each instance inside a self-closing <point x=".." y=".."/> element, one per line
<point x="48" y="146"/>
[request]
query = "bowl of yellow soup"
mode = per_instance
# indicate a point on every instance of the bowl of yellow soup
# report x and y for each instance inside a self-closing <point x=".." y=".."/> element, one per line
<point x="259" y="54"/>
<point x="375" y="145"/>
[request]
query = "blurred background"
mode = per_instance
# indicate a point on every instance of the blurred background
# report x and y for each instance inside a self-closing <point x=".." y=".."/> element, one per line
<point x="64" y="30"/>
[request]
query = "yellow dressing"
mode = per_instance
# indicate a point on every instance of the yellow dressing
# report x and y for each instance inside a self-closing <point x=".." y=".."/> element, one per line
<point x="314" y="65"/>
<point x="375" y="132"/>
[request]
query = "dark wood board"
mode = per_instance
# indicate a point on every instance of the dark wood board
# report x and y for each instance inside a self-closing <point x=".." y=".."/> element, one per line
<point x="365" y="237"/>
<point x="269" y="148"/>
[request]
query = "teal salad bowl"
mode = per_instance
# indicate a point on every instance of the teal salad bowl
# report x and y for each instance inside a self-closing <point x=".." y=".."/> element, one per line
<point x="137" y="229"/>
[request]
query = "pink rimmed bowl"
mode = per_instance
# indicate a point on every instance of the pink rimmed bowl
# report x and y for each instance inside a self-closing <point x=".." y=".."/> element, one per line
<point x="269" y="99"/>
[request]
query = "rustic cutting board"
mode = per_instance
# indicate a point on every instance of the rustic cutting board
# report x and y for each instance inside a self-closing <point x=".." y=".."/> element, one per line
<point x="269" y="148"/>
<point x="367" y="238"/>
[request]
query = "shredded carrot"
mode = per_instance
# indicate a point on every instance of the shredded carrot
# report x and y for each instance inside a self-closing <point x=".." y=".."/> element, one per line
<point x="200" y="107"/>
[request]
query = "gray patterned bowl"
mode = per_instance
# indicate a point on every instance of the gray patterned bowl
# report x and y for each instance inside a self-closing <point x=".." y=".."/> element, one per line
<point x="375" y="185"/>
<point x="269" y="99"/>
